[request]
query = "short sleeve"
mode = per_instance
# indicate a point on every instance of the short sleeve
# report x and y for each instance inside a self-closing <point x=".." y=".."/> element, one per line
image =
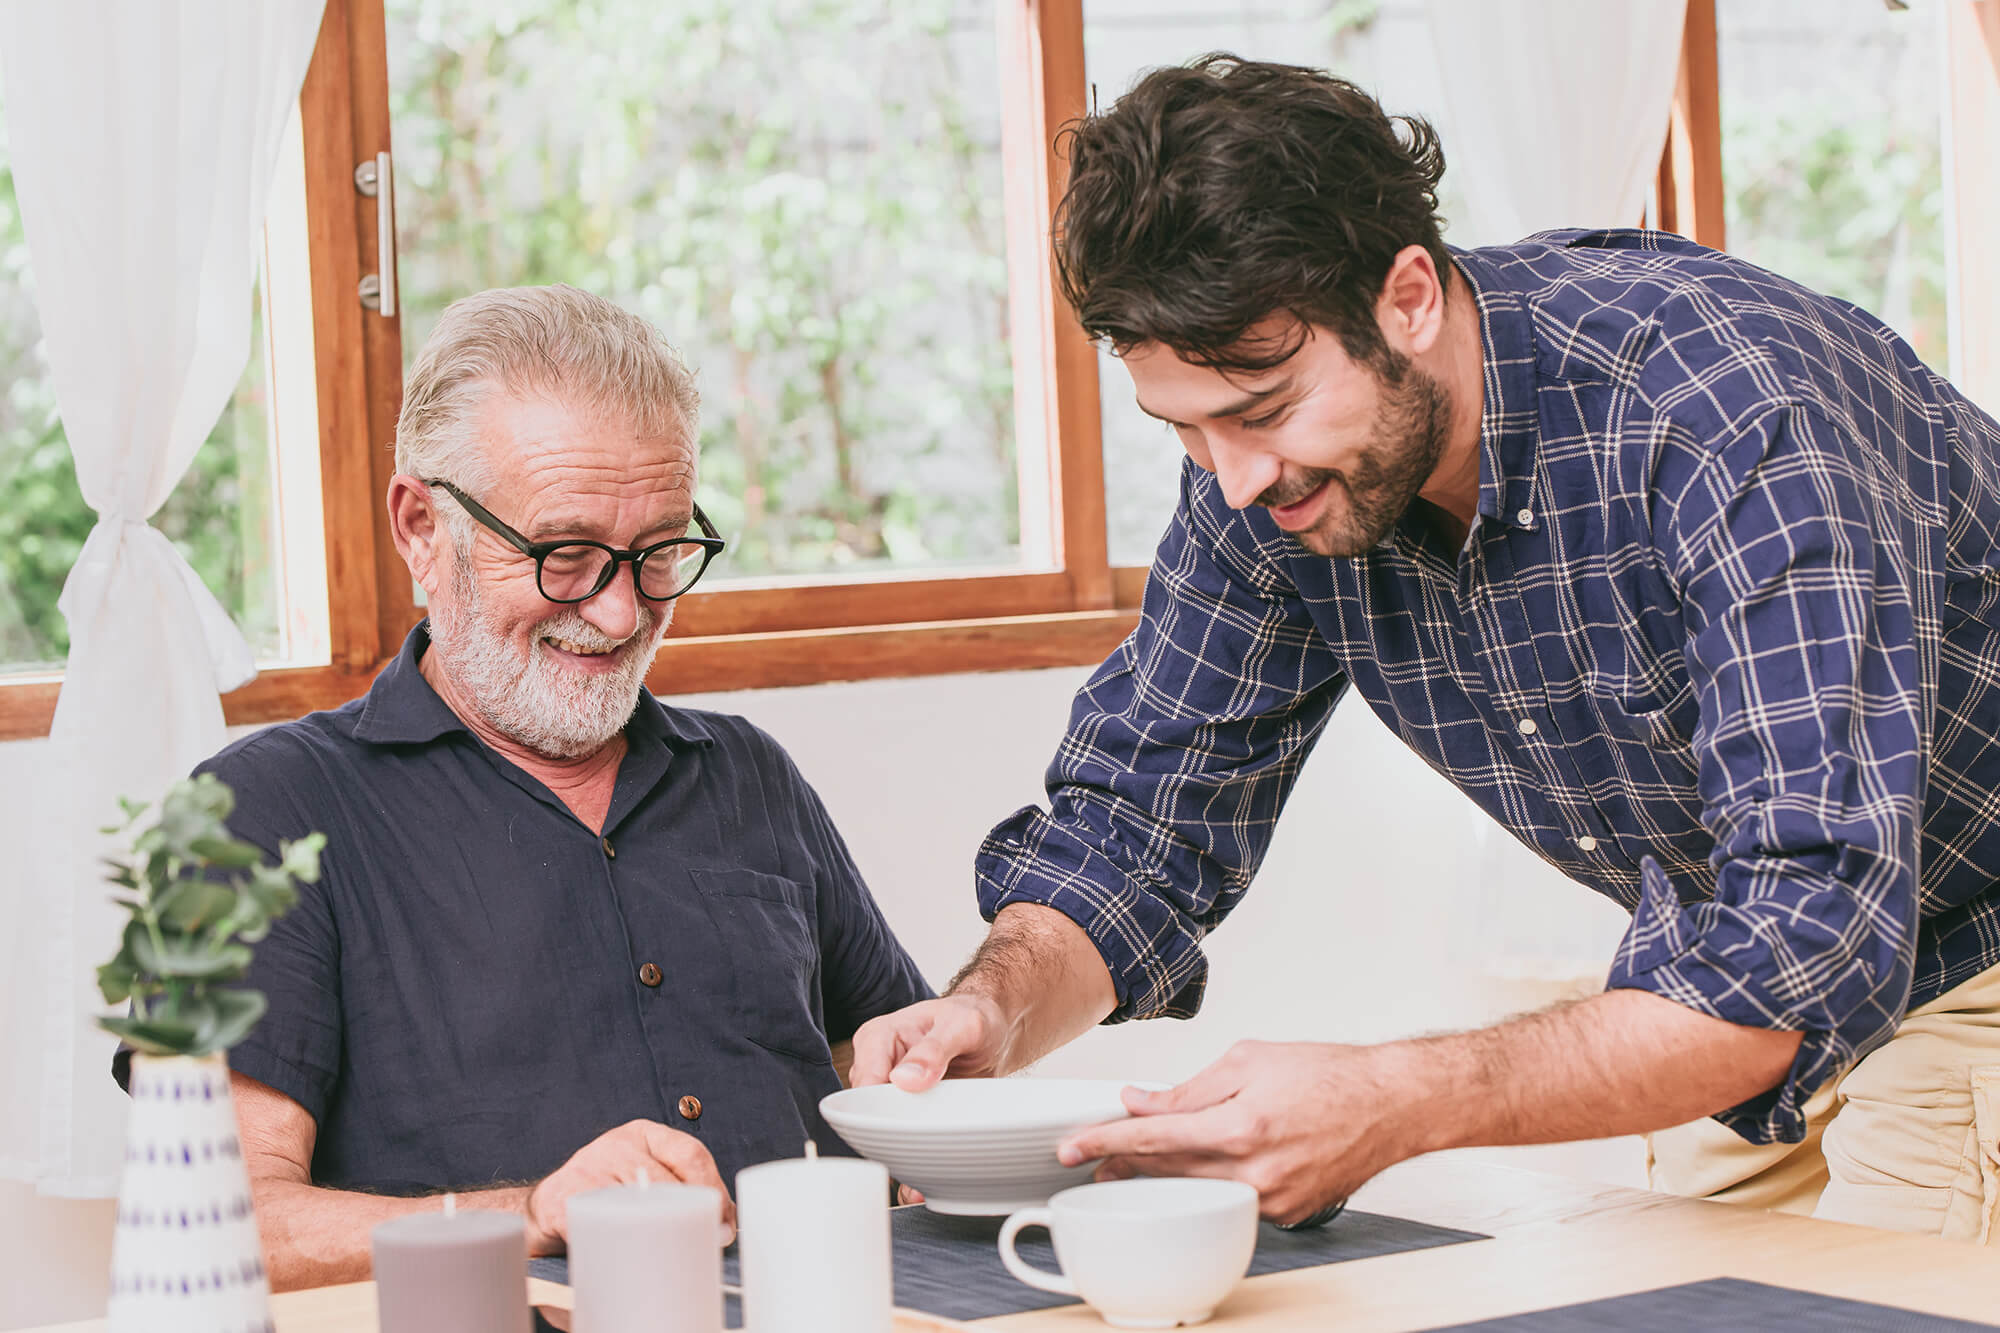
<point x="296" y="1046"/>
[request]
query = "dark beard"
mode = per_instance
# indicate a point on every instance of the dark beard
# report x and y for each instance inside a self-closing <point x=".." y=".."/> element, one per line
<point x="1403" y="451"/>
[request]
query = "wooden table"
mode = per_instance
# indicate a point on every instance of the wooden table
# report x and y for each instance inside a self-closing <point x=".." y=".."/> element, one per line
<point x="1555" y="1241"/>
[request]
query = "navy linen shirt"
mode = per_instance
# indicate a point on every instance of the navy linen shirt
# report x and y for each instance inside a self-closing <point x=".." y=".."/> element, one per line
<point x="459" y="1001"/>
<point x="1723" y="643"/>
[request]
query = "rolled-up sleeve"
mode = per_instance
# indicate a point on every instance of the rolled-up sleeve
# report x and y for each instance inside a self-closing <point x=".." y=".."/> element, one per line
<point x="1178" y="757"/>
<point x="1804" y="645"/>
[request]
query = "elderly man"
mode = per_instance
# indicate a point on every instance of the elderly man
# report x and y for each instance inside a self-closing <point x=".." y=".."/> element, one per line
<point x="1689" y="576"/>
<point x="565" y="933"/>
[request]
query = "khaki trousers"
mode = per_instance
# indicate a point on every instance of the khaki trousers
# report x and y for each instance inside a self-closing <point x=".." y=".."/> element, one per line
<point x="1907" y="1138"/>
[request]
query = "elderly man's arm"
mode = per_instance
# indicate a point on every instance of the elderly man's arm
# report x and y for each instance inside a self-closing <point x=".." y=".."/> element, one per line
<point x="313" y="1237"/>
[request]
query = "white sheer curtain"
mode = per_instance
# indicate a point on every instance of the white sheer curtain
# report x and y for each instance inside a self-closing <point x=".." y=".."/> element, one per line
<point x="1558" y="108"/>
<point x="143" y="138"/>
<point x="1557" y="113"/>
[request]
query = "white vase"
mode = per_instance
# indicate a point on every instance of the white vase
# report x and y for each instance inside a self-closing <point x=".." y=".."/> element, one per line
<point x="185" y="1256"/>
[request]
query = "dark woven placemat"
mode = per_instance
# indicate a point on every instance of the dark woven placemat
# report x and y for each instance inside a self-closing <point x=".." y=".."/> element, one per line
<point x="1722" y="1303"/>
<point x="950" y="1266"/>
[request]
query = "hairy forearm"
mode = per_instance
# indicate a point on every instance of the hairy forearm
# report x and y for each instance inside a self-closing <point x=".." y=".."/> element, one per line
<point x="1624" y="1062"/>
<point x="1045" y="978"/>
<point x="315" y="1237"/>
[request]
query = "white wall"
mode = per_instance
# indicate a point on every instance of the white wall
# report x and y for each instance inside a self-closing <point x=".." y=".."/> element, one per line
<point x="1362" y="926"/>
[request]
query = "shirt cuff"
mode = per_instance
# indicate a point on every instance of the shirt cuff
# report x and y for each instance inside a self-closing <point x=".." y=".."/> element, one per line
<point x="1672" y="951"/>
<point x="309" y="1089"/>
<point x="1153" y="952"/>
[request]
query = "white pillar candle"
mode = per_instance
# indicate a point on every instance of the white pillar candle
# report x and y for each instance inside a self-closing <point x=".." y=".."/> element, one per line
<point x="646" y="1259"/>
<point x="814" y="1235"/>
<point x="452" y="1272"/>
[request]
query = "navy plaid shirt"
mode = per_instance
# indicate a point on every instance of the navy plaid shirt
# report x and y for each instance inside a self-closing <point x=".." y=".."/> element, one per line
<point x="1723" y="644"/>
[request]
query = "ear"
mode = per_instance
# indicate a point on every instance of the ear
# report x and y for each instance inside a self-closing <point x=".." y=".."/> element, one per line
<point x="1411" y="307"/>
<point x="419" y="531"/>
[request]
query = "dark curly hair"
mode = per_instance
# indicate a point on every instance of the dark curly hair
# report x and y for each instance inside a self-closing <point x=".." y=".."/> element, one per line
<point x="1215" y="194"/>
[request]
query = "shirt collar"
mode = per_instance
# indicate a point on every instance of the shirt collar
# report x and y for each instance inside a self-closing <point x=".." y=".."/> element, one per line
<point x="402" y="709"/>
<point x="1510" y="419"/>
<point x="678" y="728"/>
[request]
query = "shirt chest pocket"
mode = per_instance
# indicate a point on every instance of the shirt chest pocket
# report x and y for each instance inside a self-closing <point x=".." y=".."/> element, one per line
<point x="1664" y="724"/>
<point x="771" y="944"/>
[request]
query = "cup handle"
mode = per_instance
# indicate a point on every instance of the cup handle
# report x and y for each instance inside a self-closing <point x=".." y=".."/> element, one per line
<point x="1019" y="1267"/>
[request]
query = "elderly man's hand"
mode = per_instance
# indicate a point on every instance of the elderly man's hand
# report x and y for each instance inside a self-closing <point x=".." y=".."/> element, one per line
<point x="616" y="1157"/>
<point x="963" y="1035"/>
<point x="1305" y="1123"/>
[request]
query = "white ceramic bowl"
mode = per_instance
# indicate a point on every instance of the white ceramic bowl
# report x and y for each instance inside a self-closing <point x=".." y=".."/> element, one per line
<point x="977" y="1146"/>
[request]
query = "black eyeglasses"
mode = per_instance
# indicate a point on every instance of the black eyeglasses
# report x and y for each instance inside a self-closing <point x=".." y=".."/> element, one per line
<point x="572" y="571"/>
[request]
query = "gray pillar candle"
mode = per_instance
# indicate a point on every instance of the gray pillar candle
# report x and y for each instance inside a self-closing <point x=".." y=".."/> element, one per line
<point x="647" y="1259"/>
<point x="452" y="1272"/>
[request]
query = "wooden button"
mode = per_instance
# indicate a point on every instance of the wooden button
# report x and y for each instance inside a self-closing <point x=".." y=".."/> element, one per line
<point x="650" y="974"/>
<point x="690" y="1108"/>
<point x="609" y="851"/>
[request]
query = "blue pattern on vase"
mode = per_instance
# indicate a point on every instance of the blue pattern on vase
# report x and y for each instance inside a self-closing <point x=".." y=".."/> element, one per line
<point x="187" y="1255"/>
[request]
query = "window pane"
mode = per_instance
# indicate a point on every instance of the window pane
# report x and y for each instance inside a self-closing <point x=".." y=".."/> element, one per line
<point x="805" y="197"/>
<point x="1831" y="122"/>
<point x="1383" y="45"/>
<point x="220" y="516"/>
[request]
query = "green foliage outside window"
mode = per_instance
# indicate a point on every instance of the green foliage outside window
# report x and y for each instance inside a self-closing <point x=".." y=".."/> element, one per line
<point x="804" y="195"/>
<point x="1850" y="206"/>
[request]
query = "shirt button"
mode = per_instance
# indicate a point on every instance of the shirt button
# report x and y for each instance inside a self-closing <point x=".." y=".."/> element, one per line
<point x="1527" y="726"/>
<point x="690" y="1108"/>
<point x="650" y="974"/>
<point x="609" y="851"/>
<point x="1524" y="517"/>
<point x="1586" y="843"/>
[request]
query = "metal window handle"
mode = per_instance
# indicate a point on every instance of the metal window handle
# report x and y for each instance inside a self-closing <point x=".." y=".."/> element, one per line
<point x="377" y="179"/>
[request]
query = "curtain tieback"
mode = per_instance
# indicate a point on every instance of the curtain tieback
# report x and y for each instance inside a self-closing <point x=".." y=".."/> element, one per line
<point x="115" y="553"/>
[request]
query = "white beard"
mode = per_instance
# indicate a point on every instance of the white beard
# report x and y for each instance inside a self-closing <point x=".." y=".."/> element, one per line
<point x="531" y="698"/>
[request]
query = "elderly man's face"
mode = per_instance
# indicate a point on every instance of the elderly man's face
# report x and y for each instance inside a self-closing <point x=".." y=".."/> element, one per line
<point x="559" y="680"/>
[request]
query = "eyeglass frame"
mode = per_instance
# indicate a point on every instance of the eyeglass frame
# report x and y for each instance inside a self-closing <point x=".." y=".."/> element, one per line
<point x="711" y="544"/>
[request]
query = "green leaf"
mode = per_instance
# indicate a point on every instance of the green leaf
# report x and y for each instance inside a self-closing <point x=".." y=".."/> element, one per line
<point x="193" y="903"/>
<point x="115" y="978"/>
<point x="236" y="1012"/>
<point x="217" y="1019"/>
<point x="137" y="947"/>
<point x="300" y="859"/>
<point x="185" y="957"/>
<point x="158" y="1035"/>
<point x="227" y="853"/>
<point x="271" y="889"/>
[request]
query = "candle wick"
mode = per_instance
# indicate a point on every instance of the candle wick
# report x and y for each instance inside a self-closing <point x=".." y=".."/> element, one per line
<point x="644" y="1179"/>
<point x="451" y="1205"/>
<point x="812" y="1150"/>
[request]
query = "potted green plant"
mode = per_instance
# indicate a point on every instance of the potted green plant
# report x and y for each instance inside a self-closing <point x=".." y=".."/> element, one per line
<point x="186" y="1254"/>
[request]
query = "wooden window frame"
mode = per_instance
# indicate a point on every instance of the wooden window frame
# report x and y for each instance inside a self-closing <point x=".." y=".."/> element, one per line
<point x="768" y="633"/>
<point x="1689" y="197"/>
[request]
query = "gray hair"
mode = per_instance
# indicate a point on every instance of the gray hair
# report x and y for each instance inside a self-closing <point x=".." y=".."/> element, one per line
<point x="555" y="341"/>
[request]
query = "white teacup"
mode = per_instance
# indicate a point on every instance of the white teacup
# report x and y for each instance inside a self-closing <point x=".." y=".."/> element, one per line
<point x="1144" y="1253"/>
